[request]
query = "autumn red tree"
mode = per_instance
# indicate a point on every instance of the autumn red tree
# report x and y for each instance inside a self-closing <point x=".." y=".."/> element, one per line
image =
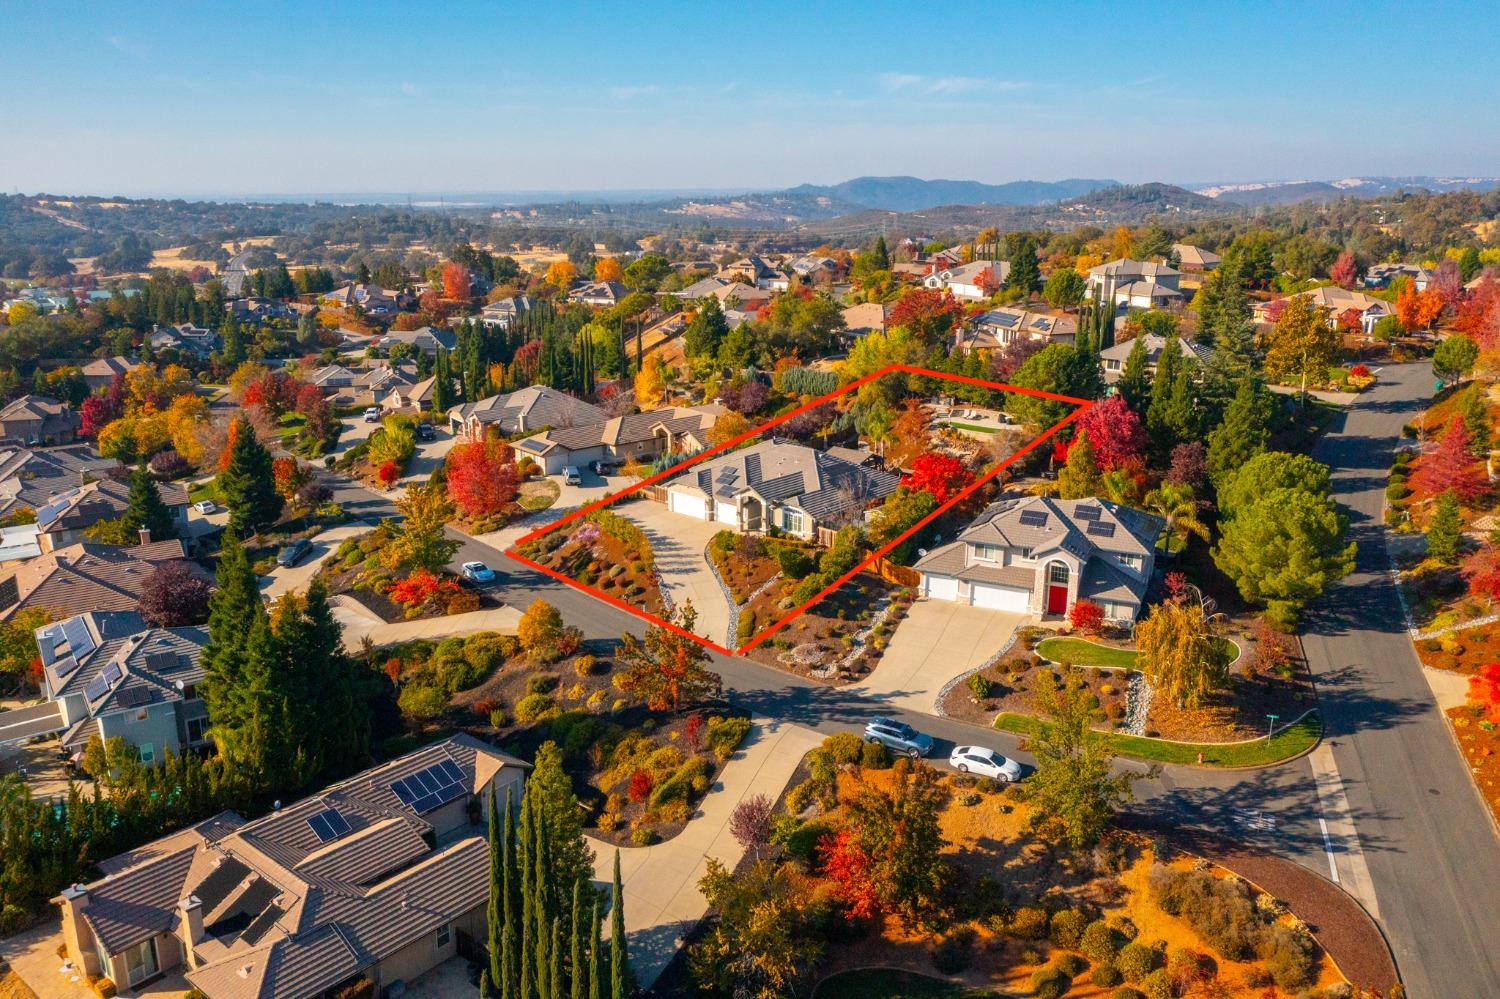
<point x="928" y="313"/>
<point x="97" y="412"/>
<point x="1482" y="572"/>
<point x="1344" y="271"/>
<point x="1087" y="617"/>
<point x="1446" y="282"/>
<point x="229" y="438"/>
<point x="1417" y="309"/>
<point x="849" y="869"/>
<point x="641" y="783"/>
<point x="387" y="474"/>
<point x="1484" y="691"/>
<point x="1115" y="432"/>
<point x="1478" y="315"/>
<point x="939" y="474"/>
<point x="1450" y="465"/>
<point x="482" y="477"/>
<point x="288" y="476"/>
<point x="456" y="281"/>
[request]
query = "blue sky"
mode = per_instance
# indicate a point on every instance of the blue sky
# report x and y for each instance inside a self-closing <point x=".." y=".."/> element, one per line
<point x="198" y="98"/>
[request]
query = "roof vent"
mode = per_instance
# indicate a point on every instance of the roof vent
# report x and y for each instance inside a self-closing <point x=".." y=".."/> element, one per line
<point x="245" y="969"/>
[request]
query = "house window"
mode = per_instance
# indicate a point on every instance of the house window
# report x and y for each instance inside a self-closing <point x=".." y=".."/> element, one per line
<point x="791" y="520"/>
<point x="190" y="692"/>
<point x="987" y="553"/>
<point x="1112" y="365"/>
<point x="1057" y="574"/>
<point x="142" y="714"/>
<point x="1024" y="554"/>
<point x="147" y="753"/>
<point x="196" y="728"/>
<point x="444" y="935"/>
<point x="1131" y="561"/>
<point x="140" y="961"/>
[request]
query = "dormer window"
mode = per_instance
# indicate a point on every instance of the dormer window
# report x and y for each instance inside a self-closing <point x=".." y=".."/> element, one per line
<point x="1131" y="561"/>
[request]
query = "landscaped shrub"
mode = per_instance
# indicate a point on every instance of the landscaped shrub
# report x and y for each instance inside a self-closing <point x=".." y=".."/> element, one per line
<point x="980" y="686"/>
<point x="746" y="625"/>
<point x="844" y="747"/>
<point x="643" y="836"/>
<point x="1126" y="992"/>
<point x="487" y="650"/>
<point x="798" y="797"/>
<point x="1028" y="923"/>
<point x="1071" y="965"/>
<point x="1105" y="975"/>
<point x="455" y="673"/>
<point x="800" y="839"/>
<point x="1289" y="954"/>
<point x="1135" y="961"/>
<point x="725" y="735"/>
<point x="955" y="952"/>
<point x="1158" y="985"/>
<point x="421" y="703"/>
<point x="1099" y="942"/>
<point x="497" y="718"/>
<point x="532" y="707"/>
<point x="541" y="683"/>
<point x="1067" y="927"/>
<point x="683" y="782"/>
<point x="104" y="988"/>
<point x="462" y="602"/>
<point x="808" y="588"/>
<point x="1049" y="983"/>
<point x="875" y="756"/>
<point x="584" y="665"/>
<point x="1222" y="911"/>
<point x="793" y="561"/>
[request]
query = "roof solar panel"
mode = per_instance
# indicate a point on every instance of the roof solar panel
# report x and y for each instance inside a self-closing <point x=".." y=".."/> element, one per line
<point x="328" y="825"/>
<point x="132" y="696"/>
<point x="261" y="924"/>
<point x="451" y="769"/>
<point x="96" y="689"/>
<point x="220" y="882"/>
<point x="1101" y="529"/>
<point x="1033" y="518"/>
<point x="403" y="791"/>
<point x="66" y="666"/>
<point x="111" y="673"/>
<point x="1087" y="513"/>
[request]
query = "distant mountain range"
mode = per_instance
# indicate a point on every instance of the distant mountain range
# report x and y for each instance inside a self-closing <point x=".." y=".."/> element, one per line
<point x="912" y="194"/>
<point x="1286" y="192"/>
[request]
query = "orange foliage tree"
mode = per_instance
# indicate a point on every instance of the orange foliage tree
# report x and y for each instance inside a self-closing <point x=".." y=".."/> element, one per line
<point x="1484" y="690"/>
<point x="456" y="280"/>
<point x="608" y="269"/>
<point x="482" y="477"/>
<point x="1417" y="309"/>
<point x="848" y="867"/>
<point x="560" y="273"/>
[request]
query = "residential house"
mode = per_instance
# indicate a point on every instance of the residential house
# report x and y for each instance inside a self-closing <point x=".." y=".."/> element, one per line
<point x="38" y="419"/>
<point x="1113" y="358"/>
<point x="100" y="373"/>
<point x="780" y="484"/>
<point x="363" y="387"/>
<point x="427" y="339"/>
<point x="29" y="477"/>
<point x="65" y="517"/>
<point x="412" y="398"/>
<point x="599" y="293"/>
<point x="530" y="409"/>
<point x="1039" y="555"/>
<point x="975" y="281"/>
<point x="1338" y="302"/>
<point x="84" y="577"/>
<point x="699" y="289"/>
<point x="999" y="327"/>
<point x="501" y="313"/>
<point x="185" y="337"/>
<point x="1195" y="259"/>
<point x="259" y="309"/>
<point x="1381" y="275"/>
<point x="19" y="543"/>
<point x="112" y="676"/>
<point x="638" y="437"/>
<point x="753" y="269"/>
<point x="944" y="260"/>
<point x="810" y="269"/>
<point x="1135" y="284"/>
<point x="357" y="890"/>
<point x="373" y="299"/>
<point x="866" y="317"/>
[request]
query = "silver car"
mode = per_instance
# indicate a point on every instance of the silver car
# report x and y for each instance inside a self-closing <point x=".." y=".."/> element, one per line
<point x="898" y="737"/>
<point x="985" y="763"/>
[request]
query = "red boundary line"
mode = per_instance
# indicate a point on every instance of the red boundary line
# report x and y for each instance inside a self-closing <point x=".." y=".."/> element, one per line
<point x="513" y="553"/>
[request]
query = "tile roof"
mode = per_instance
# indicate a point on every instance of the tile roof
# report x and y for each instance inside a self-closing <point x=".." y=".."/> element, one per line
<point x="820" y="482"/>
<point x="1154" y="346"/>
<point x="103" y="499"/>
<point x="84" y="577"/>
<point x="31" y="476"/>
<point x="531" y="408"/>
<point x="623" y="431"/>
<point x="1126" y="268"/>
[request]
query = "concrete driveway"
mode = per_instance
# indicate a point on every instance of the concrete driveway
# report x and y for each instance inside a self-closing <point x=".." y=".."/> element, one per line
<point x="937" y="641"/>
<point x="679" y="543"/>
<point x="426" y="458"/>
<point x="284" y="580"/>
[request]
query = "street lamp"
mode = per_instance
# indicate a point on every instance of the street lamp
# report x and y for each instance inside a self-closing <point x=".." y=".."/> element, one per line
<point x="1273" y="725"/>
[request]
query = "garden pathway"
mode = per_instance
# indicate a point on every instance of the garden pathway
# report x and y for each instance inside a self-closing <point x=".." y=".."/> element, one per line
<point x="662" y="901"/>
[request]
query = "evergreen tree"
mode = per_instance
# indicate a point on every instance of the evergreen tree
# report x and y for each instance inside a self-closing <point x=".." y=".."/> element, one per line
<point x="554" y="970"/>
<point x="233" y="336"/>
<point x="307" y="329"/>
<point x="596" y="953"/>
<point x="1080" y="477"/>
<point x="1244" y="432"/>
<point x="442" y="383"/>
<point x="1180" y="417"/>
<point x="576" y="945"/>
<point x="1476" y="419"/>
<point x="145" y="509"/>
<point x="495" y="918"/>
<point x="1158" y="427"/>
<point x="1025" y="274"/>
<point x="1445" y="529"/>
<point x="880" y="256"/>
<point x="706" y="332"/>
<point x="232" y="610"/>
<point x="619" y="955"/>
<point x="247" y="485"/>
<point x="1134" y="385"/>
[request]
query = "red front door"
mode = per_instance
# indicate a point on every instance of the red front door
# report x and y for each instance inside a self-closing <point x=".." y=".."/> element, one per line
<point x="1057" y="600"/>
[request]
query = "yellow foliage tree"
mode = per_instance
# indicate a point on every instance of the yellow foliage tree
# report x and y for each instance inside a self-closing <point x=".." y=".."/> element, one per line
<point x="1180" y="654"/>
<point x="650" y="384"/>
<point x="561" y="273"/>
<point x="183" y="420"/>
<point x="608" y="269"/>
<point x="1123" y="243"/>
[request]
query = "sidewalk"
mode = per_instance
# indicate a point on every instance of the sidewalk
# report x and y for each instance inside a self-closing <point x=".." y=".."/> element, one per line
<point x="360" y="623"/>
<point x="662" y="901"/>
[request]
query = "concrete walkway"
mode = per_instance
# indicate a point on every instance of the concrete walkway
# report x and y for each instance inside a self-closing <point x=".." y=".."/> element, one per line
<point x="662" y="900"/>
<point x="33" y="957"/>
<point x="937" y="641"/>
<point x="360" y="623"/>
<point x="286" y="580"/>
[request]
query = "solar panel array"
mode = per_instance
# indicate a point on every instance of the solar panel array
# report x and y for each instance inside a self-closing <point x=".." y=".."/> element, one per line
<point x="261" y="924"/>
<point x="431" y="788"/>
<point x="328" y="825"/>
<point x="1034" y="518"/>
<point x="132" y="696"/>
<point x="1102" y="529"/>
<point x="1087" y="513"/>
<point x="66" y="666"/>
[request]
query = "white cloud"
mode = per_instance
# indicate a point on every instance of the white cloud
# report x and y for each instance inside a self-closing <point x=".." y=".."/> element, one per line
<point x="900" y="81"/>
<point x="126" y="45"/>
<point x="410" y="89"/>
<point x="918" y="84"/>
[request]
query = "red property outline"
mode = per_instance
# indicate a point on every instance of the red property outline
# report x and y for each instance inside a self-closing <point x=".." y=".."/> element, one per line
<point x="513" y="552"/>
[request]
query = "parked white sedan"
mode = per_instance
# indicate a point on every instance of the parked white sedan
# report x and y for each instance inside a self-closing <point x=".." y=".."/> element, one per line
<point x="985" y="763"/>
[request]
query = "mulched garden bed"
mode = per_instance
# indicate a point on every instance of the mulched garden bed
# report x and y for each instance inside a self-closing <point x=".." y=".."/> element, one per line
<point x="1462" y="651"/>
<point x="604" y="551"/>
<point x="1479" y="741"/>
<point x="836" y="640"/>
<point x="1010" y="685"/>
<point x="355" y="570"/>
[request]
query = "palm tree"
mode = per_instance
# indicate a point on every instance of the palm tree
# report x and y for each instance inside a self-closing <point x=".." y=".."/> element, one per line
<point x="1176" y="504"/>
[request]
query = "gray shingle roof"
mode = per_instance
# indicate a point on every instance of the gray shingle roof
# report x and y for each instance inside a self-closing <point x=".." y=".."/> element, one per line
<point x="530" y="408"/>
<point x="820" y="482"/>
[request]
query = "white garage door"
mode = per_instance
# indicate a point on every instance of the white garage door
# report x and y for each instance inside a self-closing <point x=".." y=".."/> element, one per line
<point x="692" y="506"/>
<point x="1005" y="598"/>
<point x="941" y="587"/>
<point x="726" y="513"/>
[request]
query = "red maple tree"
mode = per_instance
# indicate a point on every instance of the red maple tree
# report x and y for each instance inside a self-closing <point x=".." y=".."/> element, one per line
<point x="1115" y="432"/>
<point x="1344" y="271"/>
<point x="1087" y="617"/>
<point x="1484" y="691"/>
<point x="1451" y="465"/>
<point x="1482" y="571"/>
<point x="926" y="312"/>
<point x="482" y="477"/>
<point x="641" y="783"/>
<point x="939" y="474"/>
<point x="849" y="869"/>
<point x="456" y="280"/>
<point x="387" y="474"/>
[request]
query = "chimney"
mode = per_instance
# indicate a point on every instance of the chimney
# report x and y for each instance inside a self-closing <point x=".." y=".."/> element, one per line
<point x="145" y="534"/>
<point x="76" y="934"/>
<point x="192" y="926"/>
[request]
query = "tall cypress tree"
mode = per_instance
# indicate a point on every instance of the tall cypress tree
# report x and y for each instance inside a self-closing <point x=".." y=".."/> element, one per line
<point x="1244" y="433"/>
<point x="596" y="953"/>
<point x="494" y="916"/>
<point x="144" y="507"/>
<point x="1133" y="384"/>
<point x="575" y="938"/>
<point x="619" y="954"/>
<point x="247" y="485"/>
<point x="554" y="970"/>
<point x="1161" y="388"/>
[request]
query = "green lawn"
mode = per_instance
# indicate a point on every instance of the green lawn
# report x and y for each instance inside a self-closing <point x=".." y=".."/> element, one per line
<point x="1084" y="653"/>
<point x="973" y="428"/>
<point x="887" y="983"/>
<point x="1262" y="752"/>
<point x="205" y="491"/>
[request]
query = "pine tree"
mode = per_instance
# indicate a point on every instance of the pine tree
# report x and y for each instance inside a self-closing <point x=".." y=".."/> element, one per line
<point x="880" y="256"/>
<point x="1180" y="418"/>
<point x="145" y="509"/>
<point x="1025" y="274"/>
<point x="1476" y="418"/>
<point x="247" y="484"/>
<point x="1167" y="363"/>
<point x="1134" y="385"/>
<point x="619" y="955"/>
<point x="1244" y="432"/>
<point x="1080" y="477"/>
<point x="233" y="337"/>
<point x="232" y="611"/>
<point x="1445" y="529"/>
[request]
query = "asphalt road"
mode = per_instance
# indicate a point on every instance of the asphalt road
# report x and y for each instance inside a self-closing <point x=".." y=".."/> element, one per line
<point x="1429" y="843"/>
<point x="1432" y="854"/>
